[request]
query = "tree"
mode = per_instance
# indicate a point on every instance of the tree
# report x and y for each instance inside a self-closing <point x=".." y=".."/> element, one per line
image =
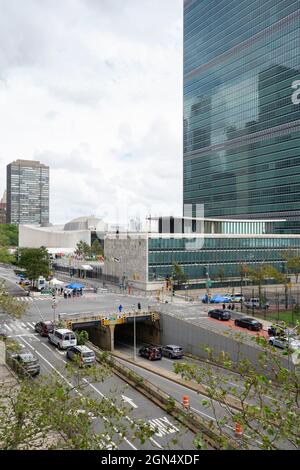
<point x="9" y="234"/>
<point x="261" y="273"/>
<point x="179" y="274"/>
<point x="83" y="249"/>
<point x="9" y="304"/>
<point x="35" y="261"/>
<point x="96" y="248"/>
<point x="82" y="337"/>
<point x="221" y="274"/>
<point x="266" y="397"/>
<point x="60" y="411"/>
<point x="293" y="263"/>
<point x="5" y="256"/>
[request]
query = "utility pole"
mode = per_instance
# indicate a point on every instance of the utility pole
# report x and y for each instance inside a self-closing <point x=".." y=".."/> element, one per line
<point x="54" y="306"/>
<point x="134" y="336"/>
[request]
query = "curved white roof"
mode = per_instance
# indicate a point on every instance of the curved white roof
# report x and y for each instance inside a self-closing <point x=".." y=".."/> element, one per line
<point x="85" y="223"/>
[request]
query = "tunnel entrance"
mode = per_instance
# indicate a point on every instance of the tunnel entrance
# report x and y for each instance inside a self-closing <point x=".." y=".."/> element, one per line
<point x="121" y="336"/>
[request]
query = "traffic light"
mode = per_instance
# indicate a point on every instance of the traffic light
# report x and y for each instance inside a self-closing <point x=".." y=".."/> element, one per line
<point x="102" y="321"/>
<point x="153" y="317"/>
<point x="69" y="325"/>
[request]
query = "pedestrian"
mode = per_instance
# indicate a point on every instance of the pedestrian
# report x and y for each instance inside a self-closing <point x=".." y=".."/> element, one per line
<point x="229" y="307"/>
<point x="224" y="306"/>
<point x="65" y="294"/>
<point x="232" y="307"/>
<point x="120" y="308"/>
<point x="139" y="306"/>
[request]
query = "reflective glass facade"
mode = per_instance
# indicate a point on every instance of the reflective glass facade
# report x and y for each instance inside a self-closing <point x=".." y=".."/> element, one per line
<point x="217" y="252"/>
<point x="242" y="108"/>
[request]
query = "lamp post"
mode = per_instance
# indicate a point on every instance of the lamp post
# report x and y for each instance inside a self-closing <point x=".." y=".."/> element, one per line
<point x="54" y="307"/>
<point x="134" y="336"/>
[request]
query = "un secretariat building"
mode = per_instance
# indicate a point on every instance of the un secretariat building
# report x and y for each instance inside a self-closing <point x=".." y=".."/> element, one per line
<point x="242" y="109"/>
<point x="241" y="137"/>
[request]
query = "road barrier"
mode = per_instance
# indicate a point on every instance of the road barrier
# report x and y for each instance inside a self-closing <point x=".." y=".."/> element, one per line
<point x="186" y="402"/>
<point x="238" y="430"/>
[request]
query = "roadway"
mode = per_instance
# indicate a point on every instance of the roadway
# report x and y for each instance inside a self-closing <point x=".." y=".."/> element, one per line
<point x="108" y="302"/>
<point x="53" y="361"/>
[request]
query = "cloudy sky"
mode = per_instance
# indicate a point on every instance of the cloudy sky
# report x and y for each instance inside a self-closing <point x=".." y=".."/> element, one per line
<point x="93" y="88"/>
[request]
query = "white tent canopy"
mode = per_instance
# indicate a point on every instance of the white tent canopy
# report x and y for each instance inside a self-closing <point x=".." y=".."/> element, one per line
<point x="56" y="282"/>
<point x="86" y="267"/>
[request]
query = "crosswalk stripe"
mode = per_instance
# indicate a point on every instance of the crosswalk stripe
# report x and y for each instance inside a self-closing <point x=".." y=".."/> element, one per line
<point x="23" y="324"/>
<point x="6" y="326"/>
<point x="14" y="327"/>
<point x="32" y="325"/>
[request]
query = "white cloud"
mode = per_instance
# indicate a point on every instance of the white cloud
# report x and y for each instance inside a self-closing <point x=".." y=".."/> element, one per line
<point x="93" y="88"/>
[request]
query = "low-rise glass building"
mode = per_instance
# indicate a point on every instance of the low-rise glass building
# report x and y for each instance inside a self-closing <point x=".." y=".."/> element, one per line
<point x="223" y="245"/>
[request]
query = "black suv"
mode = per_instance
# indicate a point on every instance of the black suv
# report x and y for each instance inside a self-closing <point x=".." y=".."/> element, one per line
<point x="249" y="323"/>
<point x="151" y="352"/>
<point x="219" y="314"/>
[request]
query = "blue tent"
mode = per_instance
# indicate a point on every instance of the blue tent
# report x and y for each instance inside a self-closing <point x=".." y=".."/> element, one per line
<point x="75" y="286"/>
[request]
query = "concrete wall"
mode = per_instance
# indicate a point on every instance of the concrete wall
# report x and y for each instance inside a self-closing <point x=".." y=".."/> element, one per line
<point x="132" y="253"/>
<point x="194" y="338"/>
<point x="146" y="332"/>
<point x="33" y="236"/>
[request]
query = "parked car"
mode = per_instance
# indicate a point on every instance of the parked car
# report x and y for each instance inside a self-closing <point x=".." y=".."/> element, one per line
<point x="82" y="355"/>
<point x="3" y="332"/>
<point x="249" y="323"/>
<point x="255" y="303"/>
<point x="24" y="363"/>
<point x="44" y="327"/>
<point x="172" y="351"/>
<point x="151" y="352"/>
<point x="280" y="330"/>
<point x="219" y="314"/>
<point x="237" y="298"/>
<point x="284" y="342"/>
<point x="220" y="299"/>
<point x="62" y="338"/>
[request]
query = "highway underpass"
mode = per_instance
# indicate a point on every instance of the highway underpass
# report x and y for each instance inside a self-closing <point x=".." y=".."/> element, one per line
<point x="105" y="330"/>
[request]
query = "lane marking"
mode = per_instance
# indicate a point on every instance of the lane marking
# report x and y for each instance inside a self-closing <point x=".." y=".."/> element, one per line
<point x="129" y="400"/>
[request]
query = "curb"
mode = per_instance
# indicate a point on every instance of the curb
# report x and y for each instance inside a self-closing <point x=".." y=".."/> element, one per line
<point x="230" y="401"/>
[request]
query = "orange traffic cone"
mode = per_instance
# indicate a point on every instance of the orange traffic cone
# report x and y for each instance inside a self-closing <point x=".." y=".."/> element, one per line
<point x="238" y="430"/>
<point x="186" y="401"/>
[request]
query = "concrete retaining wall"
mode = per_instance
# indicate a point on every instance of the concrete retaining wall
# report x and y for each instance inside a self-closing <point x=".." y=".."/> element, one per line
<point x="194" y="338"/>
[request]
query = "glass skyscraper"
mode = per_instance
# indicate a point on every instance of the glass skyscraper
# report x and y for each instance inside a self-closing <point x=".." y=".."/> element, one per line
<point x="242" y="109"/>
<point x="27" y="192"/>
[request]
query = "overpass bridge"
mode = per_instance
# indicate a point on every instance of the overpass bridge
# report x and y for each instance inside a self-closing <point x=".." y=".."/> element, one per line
<point x="104" y="327"/>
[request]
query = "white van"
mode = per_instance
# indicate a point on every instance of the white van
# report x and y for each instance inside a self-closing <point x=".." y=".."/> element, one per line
<point x="62" y="338"/>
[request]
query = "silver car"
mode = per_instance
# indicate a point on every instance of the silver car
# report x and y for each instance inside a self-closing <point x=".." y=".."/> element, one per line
<point x="172" y="351"/>
<point x="283" y="342"/>
<point x="81" y="354"/>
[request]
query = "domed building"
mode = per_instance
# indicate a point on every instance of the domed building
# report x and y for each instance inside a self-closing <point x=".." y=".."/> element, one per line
<point x="63" y="238"/>
<point x="91" y="223"/>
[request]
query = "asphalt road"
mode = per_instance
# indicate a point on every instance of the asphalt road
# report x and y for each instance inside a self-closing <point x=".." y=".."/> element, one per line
<point x="139" y="407"/>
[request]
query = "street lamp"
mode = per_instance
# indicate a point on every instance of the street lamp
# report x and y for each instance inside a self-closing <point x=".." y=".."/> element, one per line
<point x="134" y="335"/>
